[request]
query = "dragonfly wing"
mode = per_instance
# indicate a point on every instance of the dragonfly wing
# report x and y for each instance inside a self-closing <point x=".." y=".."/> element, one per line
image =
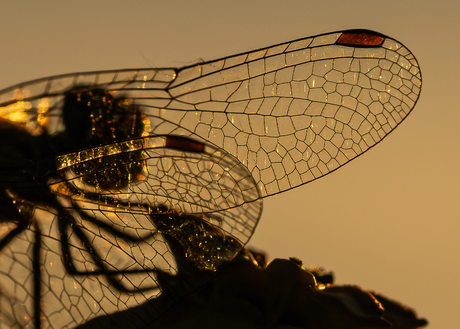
<point x="178" y="173"/>
<point x="277" y="118"/>
<point x="291" y="113"/>
<point x="297" y="111"/>
<point x="111" y="234"/>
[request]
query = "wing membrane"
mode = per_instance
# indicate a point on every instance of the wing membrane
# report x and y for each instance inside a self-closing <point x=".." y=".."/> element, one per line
<point x="256" y="124"/>
<point x="102" y="249"/>
<point x="291" y="113"/>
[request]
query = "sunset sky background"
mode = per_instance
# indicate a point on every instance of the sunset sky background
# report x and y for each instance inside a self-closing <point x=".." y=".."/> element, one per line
<point x="388" y="221"/>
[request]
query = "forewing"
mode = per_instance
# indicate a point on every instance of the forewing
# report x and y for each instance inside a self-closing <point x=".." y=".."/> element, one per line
<point x="298" y="111"/>
<point x="291" y="113"/>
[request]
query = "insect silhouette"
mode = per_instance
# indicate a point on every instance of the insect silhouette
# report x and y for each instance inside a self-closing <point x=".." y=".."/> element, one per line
<point x="97" y="168"/>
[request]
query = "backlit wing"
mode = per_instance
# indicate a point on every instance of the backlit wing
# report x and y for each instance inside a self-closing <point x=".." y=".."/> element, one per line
<point x="291" y="113"/>
<point x="250" y="126"/>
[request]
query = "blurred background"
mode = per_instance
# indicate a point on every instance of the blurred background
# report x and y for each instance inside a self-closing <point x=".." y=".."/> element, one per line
<point x="389" y="220"/>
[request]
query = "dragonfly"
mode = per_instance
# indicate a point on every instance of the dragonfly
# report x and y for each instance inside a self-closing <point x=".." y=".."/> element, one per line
<point x="105" y="177"/>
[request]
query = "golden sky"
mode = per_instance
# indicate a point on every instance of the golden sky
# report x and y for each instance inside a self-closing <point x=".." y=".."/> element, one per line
<point x="389" y="220"/>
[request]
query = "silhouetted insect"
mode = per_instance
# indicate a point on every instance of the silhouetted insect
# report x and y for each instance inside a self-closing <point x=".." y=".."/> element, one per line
<point x="98" y="170"/>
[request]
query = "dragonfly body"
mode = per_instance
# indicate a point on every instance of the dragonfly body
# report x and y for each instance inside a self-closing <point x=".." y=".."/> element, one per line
<point x="28" y="161"/>
<point x="102" y="171"/>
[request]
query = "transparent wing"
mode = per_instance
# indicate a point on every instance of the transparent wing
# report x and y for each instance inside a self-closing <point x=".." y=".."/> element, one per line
<point x="264" y="122"/>
<point x="178" y="174"/>
<point x="291" y="113"/>
<point x="101" y="251"/>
